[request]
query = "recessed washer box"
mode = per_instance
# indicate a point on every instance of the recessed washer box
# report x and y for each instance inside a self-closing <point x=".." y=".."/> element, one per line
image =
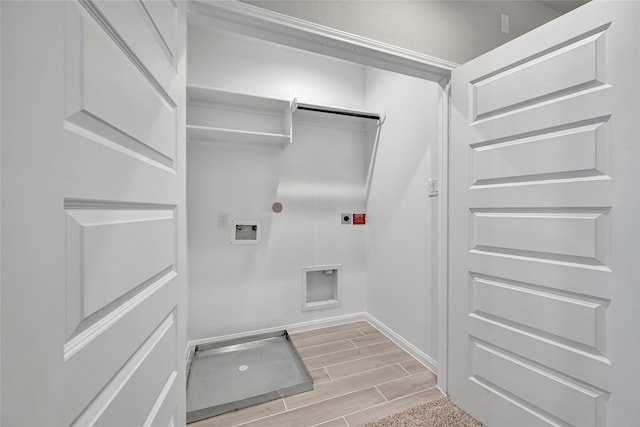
<point x="246" y="232"/>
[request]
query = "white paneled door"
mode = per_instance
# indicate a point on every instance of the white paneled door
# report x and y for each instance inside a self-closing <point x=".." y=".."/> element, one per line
<point x="544" y="290"/>
<point x="93" y="211"/>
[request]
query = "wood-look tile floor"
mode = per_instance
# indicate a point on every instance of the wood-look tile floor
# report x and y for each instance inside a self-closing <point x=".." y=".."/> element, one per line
<point x="359" y="376"/>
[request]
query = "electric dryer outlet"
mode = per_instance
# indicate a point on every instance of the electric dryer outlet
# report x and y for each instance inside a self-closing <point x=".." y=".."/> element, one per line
<point x="359" y="219"/>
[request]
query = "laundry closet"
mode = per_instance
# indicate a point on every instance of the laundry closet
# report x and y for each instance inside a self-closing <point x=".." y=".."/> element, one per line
<point x="177" y="175"/>
<point x="282" y="145"/>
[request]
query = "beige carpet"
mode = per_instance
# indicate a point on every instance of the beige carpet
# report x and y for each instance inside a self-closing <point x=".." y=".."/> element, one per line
<point x="437" y="413"/>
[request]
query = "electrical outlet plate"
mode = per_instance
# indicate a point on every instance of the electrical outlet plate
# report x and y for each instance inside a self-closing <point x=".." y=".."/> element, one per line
<point x="359" y="218"/>
<point x="223" y="221"/>
<point x="432" y="187"/>
<point x="504" y="23"/>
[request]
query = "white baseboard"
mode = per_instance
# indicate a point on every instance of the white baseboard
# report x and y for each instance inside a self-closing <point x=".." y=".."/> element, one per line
<point x="421" y="356"/>
<point x="332" y="321"/>
<point x="295" y="327"/>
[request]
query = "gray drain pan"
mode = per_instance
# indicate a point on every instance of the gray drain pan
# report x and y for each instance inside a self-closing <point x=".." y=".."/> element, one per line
<point x="229" y="375"/>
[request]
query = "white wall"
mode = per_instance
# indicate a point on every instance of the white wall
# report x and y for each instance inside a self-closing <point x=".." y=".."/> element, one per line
<point x="242" y="64"/>
<point x="402" y="232"/>
<point x="240" y="288"/>
<point x="454" y="30"/>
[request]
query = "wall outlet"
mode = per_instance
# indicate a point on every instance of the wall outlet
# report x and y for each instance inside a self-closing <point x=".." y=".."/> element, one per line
<point x="345" y="218"/>
<point x="223" y="221"/>
<point x="432" y="187"/>
<point x="504" y="23"/>
<point x="359" y="218"/>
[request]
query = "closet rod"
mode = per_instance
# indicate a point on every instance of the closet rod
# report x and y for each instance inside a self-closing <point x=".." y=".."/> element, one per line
<point x="332" y="110"/>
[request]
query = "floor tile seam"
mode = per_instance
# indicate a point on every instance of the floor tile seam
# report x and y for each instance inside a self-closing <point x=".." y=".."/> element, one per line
<point x="327" y="354"/>
<point x="403" y="368"/>
<point x="324" y="343"/>
<point x="410" y="359"/>
<point x="368" y="370"/>
<point x="376" y="343"/>
<point x="366" y="345"/>
<point x="359" y="372"/>
<point x="374" y="356"/>
<point x="413" y="393"/>
<point x="349" y="349"/>
<point x="360" y="358"/>
<point x="401" y="378"/>
<point x="426" y="369"/>
<point x="364" y="356"/>
<point x="336" y="397"/>
<point x="328" y="374"/>
<point x="343" y="416"/>
<point x="365" y="336"/>
<point x="376" y="405"/>
<point x="379" y="391"/>
<point x="262" y="418"/>
<point x="327" y="334"/>
<point x="384" y="403"/>
<point x="322" y="354"/>
<point x="360" y="389"/>
<point x="293" y="334"/>
<point x="405" y="395"/>
<point x="328" y="421"/>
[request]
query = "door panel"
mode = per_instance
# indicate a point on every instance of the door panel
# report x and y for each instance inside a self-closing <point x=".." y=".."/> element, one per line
<point x="568" y="153"/>
<point x="567" y="400"/>
<point x="116" y="237"/>
<point x="550" y="234"/>
<point x="511" y="301"/>
<point x="544" y="232"/>
<point x="521" y="84"/>
<point x="98" y="205"/>
<point x="119" y="95"/>
<point x="130" y="395"/>
<point x="149" y="29"/>
<point x="120" y="337"/>
<point x="164" y="21"/>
